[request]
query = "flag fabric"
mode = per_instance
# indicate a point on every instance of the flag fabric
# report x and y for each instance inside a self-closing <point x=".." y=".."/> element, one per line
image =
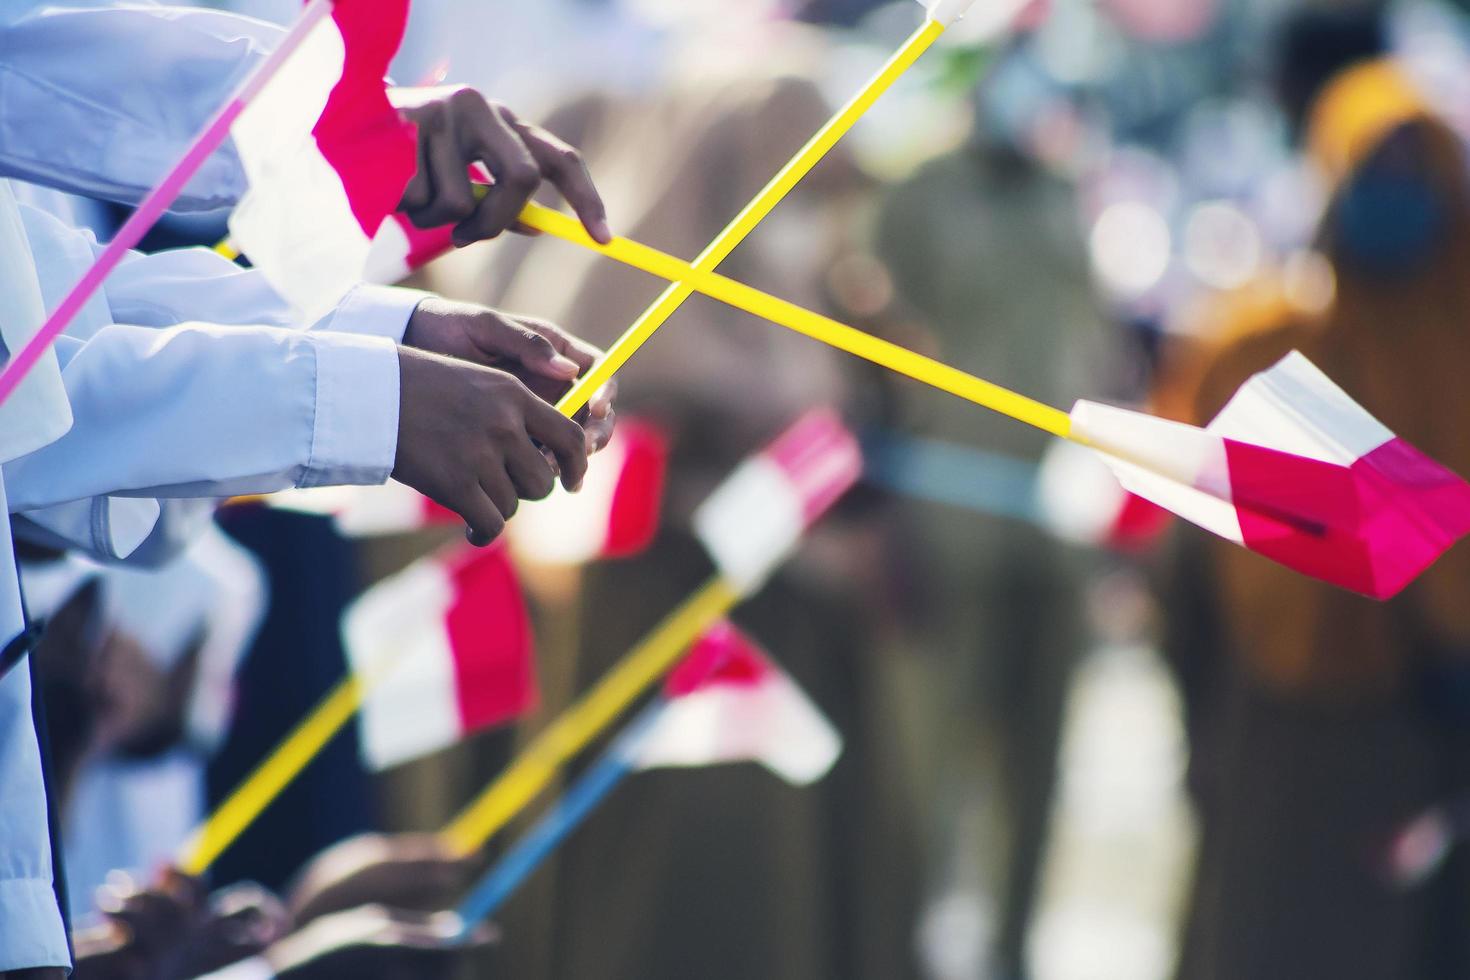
<point x="615" y="514"/>
<point x="728" y="702"/>
<point x="1295" y="470"/>
<point x="1079" y="500"/>
<point x="326" y="156"/>
<point x="448" y="645"/>
<point x="401" y="247"/>
<point x="755" y="518"/>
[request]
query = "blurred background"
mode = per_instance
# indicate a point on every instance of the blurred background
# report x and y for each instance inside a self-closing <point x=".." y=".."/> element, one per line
<point x="1081" y="743"/>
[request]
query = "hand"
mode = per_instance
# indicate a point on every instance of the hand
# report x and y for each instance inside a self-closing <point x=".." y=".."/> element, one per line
<point x="405" y="871"/>
<point x="470" y="438"/>
<point x="375" y="943"/>
<point x="544" y="357"/>
<point x="157" y="919"/>
<point x="146" y="932"/>
<point x="242" y="921"/>
<point x="459" y="127"/>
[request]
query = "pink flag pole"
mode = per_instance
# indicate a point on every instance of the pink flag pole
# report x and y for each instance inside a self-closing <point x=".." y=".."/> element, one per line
<point x="158" y="200"/>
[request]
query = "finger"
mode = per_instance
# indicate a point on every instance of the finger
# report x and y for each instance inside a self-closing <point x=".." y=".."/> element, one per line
<point x="564" y="167"/>
<point x="499" y="487"/>
<point x="453" y="198"/>
<point x="515" y="338"/>
<point x="482" y="516"/>
<point x="530" y="472"/>
<point x="495" y="141"/>
<point x="574" y="349"/>
<point x="599" y="432"/>
<point x="601" y="404"/>
<point x="563" y="437"/>
<point x="420" y="189"/>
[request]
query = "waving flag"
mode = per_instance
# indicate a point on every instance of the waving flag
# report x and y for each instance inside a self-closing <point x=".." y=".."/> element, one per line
<point x="326" y="155"/>
<point x="1295" y="470"/>
<point x="756" y="517"/>
<point x="448" y="642"/>
<point x="727" y="702"/>
<point x="614" y="515"/>
<point x="1081" y="501"/>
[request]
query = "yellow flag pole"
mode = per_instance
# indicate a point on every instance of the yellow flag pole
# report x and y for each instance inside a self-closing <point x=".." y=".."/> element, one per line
<point x="305" y="742"/>
<point x="589" y="717"/>
<point x="804" y="321"/>
<point x="753" y="214"/>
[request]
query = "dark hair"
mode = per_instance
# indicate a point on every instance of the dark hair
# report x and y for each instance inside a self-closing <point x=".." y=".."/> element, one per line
<point x="1315" y="45"/>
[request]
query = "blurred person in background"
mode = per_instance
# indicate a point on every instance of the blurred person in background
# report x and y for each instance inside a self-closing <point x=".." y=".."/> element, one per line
<point x="1321" y="721"/>
<point x="721" y="874"/>
<point x="987" y="258"/>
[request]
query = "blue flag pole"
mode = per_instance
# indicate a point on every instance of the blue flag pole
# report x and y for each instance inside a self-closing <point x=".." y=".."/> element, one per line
<point x="542" y="840"/>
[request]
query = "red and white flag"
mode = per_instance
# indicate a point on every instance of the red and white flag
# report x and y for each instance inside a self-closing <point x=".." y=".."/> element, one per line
<point x="614" y="515"/>
<point x="444" y="649"/>
<point x="1080" y="501"/>
<point x="753" y="520"/>
<point x="728" y="702"/>
<point x="1295" y="470"/>
<point x="326" y="155"/>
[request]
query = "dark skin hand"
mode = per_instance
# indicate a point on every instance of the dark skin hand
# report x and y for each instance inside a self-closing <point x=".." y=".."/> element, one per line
<point x="471" y="438"/>
<point x="544" y="357"/>
<point x="376" y="943"/>
<point x="459" y="127"/>
<point x="406" y="871"/>
<point x="173" y="931"/>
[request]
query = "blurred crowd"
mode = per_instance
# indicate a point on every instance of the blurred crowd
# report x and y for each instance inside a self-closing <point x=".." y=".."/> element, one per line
<point x="1141" y="201"/>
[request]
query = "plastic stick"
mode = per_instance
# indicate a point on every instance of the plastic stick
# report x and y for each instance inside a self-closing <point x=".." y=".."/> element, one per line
<point x="570" y="812"/>
<point x="804" y="321"/>
<point x="753" y="214"/>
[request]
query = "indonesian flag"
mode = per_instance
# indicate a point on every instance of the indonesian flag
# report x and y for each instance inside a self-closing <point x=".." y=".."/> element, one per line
<point x="1297" y="471"/>
<point x="753" y="520"/>
<point x="614" y="515"/>
<point x="326" y="156"/>
<point x="444" y="649"/>
<point x="401" y="247"/>
<point x="727" y="702"/>
<point x="1080" y="501"/>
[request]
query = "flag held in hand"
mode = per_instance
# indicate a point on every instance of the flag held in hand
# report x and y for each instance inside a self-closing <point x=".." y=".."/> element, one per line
<point x="326" y="155"/>
<point x="449" y="646"/>
<point x="727" y="702"/>
<point x="753" y="520"/>
<point x="1295" y="470"/>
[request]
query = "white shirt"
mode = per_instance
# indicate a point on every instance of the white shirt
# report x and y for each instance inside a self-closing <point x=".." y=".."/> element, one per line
<point x="188" y="377"/>
<point x="102" y="99"/>
<point x="100" y="102"/>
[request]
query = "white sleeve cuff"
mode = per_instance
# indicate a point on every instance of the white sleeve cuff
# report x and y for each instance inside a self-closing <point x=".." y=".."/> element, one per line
<point x="355" y="431"/>
<point x="255" y="968"/>
<point x="374" y="311"/>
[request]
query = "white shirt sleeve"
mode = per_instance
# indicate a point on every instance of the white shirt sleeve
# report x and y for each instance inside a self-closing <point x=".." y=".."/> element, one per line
<point x="176" y="286"/>
<point x="102" y="102"/>
<point x="201" y="410"/>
